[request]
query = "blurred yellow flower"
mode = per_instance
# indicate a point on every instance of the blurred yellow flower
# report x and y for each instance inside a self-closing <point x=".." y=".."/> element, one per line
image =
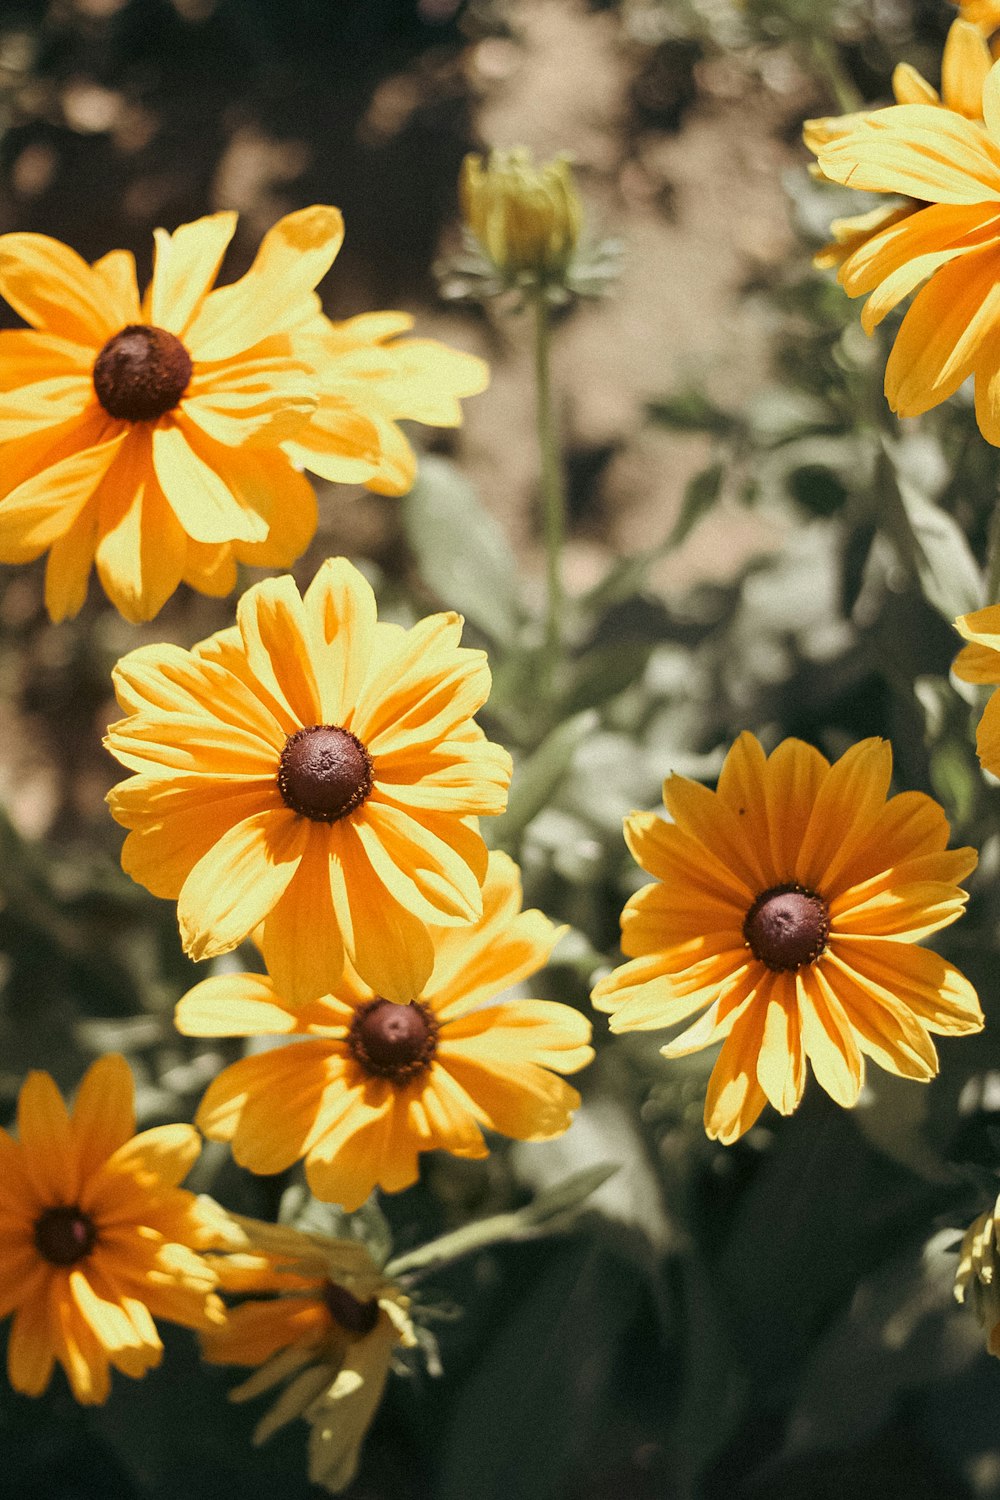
<point x="327" y="1333"/>
<point x="526" y="218"/>
<point x="979" y="1273"/>
<point x="951" y="164"/>
<point x="141" y="435"/>
<point x="964" y="68"/>
<point x="787" y="908"/>
<point x="376" y="1083"/>
<point x="368" y="375"/>
<point x="979" y="662"/>
<point x="98" y="1238"/>
<point x="317" y="770"/>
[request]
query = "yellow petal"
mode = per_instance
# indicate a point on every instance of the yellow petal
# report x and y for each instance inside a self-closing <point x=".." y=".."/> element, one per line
<point x="43" y="508"/>
<point x="941" y="335"/>
<point x="275" y="634"/>
<point x="233" y="1005"/>
<point x="243" y="400"/>
<point x="965" y="66"/>
<point x="734" y="1098"/>
<point x="142" y="548"/>
<point x="919" y="151"/>
<point x="388" y="946"/>
<point x="237" y="881"/>
<point x="920" y="979"/>
<point x="176" y="826"/>
<point x="185" y="265"/>
<point x="55" y="290"/>
<point x="201" y="500"/>
<point x="302" y="943"/>
<point x="103" y="1113"/>
<point x="341" y="612"/>
<point x="48" y="1153"/>
<point x="828" y="1039"/>
<point x="848" y="800"/>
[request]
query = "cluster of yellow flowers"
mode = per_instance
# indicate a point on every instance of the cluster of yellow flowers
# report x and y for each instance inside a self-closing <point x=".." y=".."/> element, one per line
<point x="312" y="778"/>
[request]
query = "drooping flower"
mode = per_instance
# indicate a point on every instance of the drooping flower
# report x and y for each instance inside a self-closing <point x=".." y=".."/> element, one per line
<point x="316" y="770"/>
<point x="964" y="69"/>
<point x="951" y="165"/>
<point x="979" y="1273"/>
<point x="142" y="435"/>
<point x="787" y="907"/>
<point x="979" y="661"/>
<point x="366" y="371"/>
<point x="97" y="1236"/>
<point x="372" y="1084"/>
<point x="327" y="1332"/>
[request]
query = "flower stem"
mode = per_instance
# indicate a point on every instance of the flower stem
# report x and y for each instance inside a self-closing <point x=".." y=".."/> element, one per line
<point x="553" y="494"/>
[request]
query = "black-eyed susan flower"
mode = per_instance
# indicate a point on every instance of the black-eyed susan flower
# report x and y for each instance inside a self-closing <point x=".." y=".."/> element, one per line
<point x="787" y="908"/>
<point x="96" y="1236"/>
<point x="327" y="1333"/>
<point x="964" y="68"/>
<point x="141" y="435"/>
<point x="979" y="661"/>
<point x="147" y="435"/>
<point x="316" y="770"/>
<point x="371" y="1084"/>
<point x="978" y="1276"/>
<point x="367" y="372"/>
<point x="951" y="165"/>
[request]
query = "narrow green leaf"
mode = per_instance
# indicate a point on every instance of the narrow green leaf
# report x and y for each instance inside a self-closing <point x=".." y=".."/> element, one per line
<point x="537" y="778"/>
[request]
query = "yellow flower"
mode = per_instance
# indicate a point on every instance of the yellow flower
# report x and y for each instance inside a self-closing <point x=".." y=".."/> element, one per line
<point x="964" y="68"/>
<point x="328" y="1333"/>
<point x="526" y="218"/>
<point x="787" y="907"/>
<point x="97" y="1236"/>
<point x="368" y="374"/>
<point x="979" y="662"/>
<point x="144" y="436"/>
<point x="952" y="166"/>
<point x="979" y="1271"/>
<point x="376" y="1083"/>
<point x="314" y="769"/>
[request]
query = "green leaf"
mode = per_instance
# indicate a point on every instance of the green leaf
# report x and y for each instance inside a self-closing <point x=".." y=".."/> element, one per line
<point x="691" y="411"/>
<point x="461" y="551"/>
<point x="930" y="543"/>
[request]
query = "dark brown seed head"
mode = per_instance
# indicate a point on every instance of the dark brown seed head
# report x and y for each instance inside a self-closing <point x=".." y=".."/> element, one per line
<point x="351" y="1315"/>
<point x="324" y="773"/>
<point x="64" y="1235"/>
<point x="141" y="373"/>
<point x="393" y="1041"/>
<point x="787" y="927"/>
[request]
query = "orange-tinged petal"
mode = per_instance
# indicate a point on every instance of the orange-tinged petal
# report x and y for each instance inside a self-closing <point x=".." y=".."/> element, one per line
<point x="142" y="548"/>
<point x="910" y="87"/>
<point x="388" y="946"/>
<point x="988" y="735"/>
<point x="276" y="293"/>
<point x="919" y="151"/>
<point x="423" y="688"/>
<point x="965" y="65"/>
<point x="243" y="400"/>
<point x="68" y="565"/>
<point x="828" y="1039"/>
<point x="103" y="1113"/>
<point x="781" y="1064"/>
<point x="43" y="508"/>
<point x="237" y="881"/>
<point x="234" y="1005"/>
<point x="54" y="289"/>
<point x="339" y="606"/>
<point x="30" y="1351"/>
<point x="176" y="826"/>
<point x="706" y="817"/>
<point x="885" y="1030"/>
<point x="45" y="403"/>
<point x="302" y="942"/>
<point x="940" y="337"/>
<point x="849" y="798"/>
<point x="525" y="1103"/>
<point x="352" y="1157"/>
<point x="920" y="979"/>
<point x="166" y="1152"/>
<point x="676" y="856"/>
<point x="166" y="679"/>
<point x="185" y="265"/>
<point x="267" y="1104"/>
<point x="27" y="356"/>
<point x="422" y="872"/>
<point x="47" y="1150"/>
<point x="199" y="496"/>
<point x="264" y="480"/>
<point x="734" y="1098"/>
<point x="275" y="633"/>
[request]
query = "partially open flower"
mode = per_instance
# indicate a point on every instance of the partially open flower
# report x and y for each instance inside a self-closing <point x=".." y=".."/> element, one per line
<point x="327" y="1333"/>
<point x="525" y="217"/>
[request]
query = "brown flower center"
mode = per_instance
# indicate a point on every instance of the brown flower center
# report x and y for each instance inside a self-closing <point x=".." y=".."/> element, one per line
<point x="324" y="773"/>
<point x="64" y="1235"/>
<point x="141" y="373"/>
<point x="393" y="1041"/>
<point x="787" y="927"/>
<point x="351" y="1315"/>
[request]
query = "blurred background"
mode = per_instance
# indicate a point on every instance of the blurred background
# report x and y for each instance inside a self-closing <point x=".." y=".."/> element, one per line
<point x="754" y="542"/>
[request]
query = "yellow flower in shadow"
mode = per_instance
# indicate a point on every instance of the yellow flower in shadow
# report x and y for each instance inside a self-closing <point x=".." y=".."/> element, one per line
<point x="325" y="1327"/>
<point x="98" y="1238"/>
<point x="787" y="908"/>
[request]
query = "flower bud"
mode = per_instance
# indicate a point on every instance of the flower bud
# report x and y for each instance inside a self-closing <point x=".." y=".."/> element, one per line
<point x="526" y="218"/>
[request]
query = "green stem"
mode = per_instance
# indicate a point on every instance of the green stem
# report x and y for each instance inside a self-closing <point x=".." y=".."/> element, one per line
<point x="827" y="66"/>
<point x="993" y="559"/>
<point x="553" y="494"/>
